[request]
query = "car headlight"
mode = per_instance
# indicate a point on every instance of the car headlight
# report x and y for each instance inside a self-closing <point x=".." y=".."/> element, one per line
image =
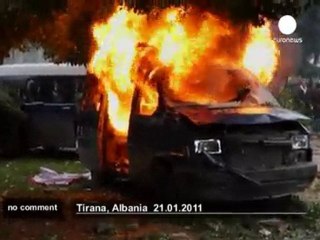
<point x="211" y="146"/>
<point x="300" y="142"/>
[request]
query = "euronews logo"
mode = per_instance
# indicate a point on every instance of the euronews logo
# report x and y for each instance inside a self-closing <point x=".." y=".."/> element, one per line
<point x="287" y="25"/>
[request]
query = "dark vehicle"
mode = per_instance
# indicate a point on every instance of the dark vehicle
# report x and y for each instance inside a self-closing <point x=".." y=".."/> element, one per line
<point x="48" y="96"/>
<point x="244" y="147"/>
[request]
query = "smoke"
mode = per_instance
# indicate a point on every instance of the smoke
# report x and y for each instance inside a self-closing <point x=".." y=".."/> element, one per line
<point x="63" y="27"/>
<point x="234" y="10"/>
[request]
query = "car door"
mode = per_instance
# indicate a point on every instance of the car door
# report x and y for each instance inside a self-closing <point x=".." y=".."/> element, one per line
<point x="145" y="138"/>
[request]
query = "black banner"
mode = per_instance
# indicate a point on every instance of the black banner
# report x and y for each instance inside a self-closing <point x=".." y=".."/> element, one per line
<point x="55" y="208"/>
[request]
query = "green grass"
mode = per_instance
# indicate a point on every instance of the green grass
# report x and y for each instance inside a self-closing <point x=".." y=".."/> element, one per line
<point x="250" y="227"/>
<point x="15" y="174"/>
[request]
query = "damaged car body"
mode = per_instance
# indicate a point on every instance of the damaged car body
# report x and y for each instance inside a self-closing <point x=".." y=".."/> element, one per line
<point x="243" y="147"/>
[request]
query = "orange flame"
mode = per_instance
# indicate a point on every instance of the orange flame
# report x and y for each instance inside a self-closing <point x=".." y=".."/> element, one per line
<point x="112" y="63"/>
<point x="177" y="40"/>
<point x="261" y="55"/>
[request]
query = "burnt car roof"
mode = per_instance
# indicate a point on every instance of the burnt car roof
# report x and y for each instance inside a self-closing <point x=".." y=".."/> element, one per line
<point x="259" y="107"/>
<point x="215" y="84"/>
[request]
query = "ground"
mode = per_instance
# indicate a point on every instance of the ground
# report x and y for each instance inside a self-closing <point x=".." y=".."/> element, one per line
<point x="15" y="181"/>
<point x="316" y="148"/>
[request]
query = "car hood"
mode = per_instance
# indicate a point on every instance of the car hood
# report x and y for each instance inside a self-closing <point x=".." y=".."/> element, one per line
<point x="202" y="115"/>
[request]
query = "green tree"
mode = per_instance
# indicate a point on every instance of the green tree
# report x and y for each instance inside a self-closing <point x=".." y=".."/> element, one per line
<point x="61" y="27"/>
<point x="309" y="29"/>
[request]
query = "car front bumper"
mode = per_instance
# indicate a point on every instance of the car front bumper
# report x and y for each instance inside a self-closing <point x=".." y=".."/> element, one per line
<point x="215" y="184"/>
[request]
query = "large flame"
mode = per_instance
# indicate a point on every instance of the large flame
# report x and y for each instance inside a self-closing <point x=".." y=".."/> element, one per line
<point x="112" y="63"/>
<point x="130" y="45"/>
<point x="261" y="54"/>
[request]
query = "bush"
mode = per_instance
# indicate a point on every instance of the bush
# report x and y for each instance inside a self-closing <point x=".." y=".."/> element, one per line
<point x="290" y="100"/>
<point x="12" y="121"/>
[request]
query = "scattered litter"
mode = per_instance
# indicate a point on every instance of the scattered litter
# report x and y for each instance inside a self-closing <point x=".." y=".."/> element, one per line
<point x="48" y="177"/>
<point x="264" y="232"/>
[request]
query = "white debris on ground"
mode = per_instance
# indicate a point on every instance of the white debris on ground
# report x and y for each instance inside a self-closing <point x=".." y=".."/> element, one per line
<point x="48" y="177"/>
<point x="264" y="232"/>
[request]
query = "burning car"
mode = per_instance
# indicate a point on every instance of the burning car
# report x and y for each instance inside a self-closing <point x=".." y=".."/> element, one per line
<point x="244" y="147"/>
<point x="175" y="113"/>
